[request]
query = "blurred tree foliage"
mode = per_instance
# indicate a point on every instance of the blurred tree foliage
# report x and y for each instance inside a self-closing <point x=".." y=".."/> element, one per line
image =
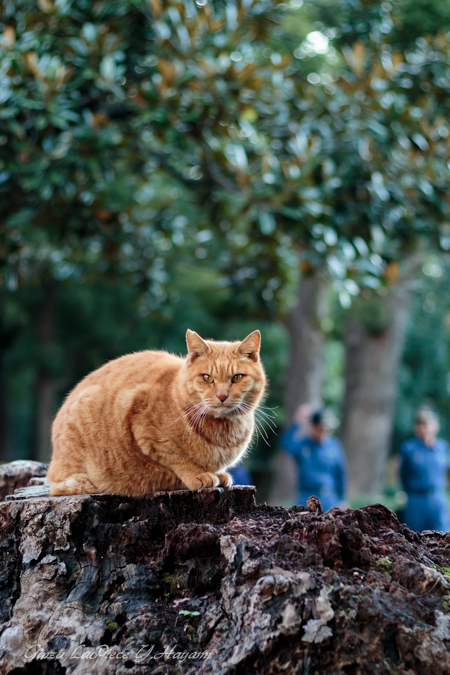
<point x="347" y="21"/>
<point x="100" y="98"/>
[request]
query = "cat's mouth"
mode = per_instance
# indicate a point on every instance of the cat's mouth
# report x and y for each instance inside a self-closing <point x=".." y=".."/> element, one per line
<point x="226" y="410"/>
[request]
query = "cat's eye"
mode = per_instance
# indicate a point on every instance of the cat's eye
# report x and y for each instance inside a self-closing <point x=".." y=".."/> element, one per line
<point x="237" y="378"/>
<point x="208" y="379"/>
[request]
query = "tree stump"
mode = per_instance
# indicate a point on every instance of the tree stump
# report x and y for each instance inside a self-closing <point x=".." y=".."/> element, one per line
<point x="18" y="474"/>
<point x="210" y="583"/>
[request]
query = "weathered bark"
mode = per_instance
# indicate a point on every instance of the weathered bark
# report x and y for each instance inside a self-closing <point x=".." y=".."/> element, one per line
<point x="102" y="584"/>
<point x="18" y="474"/>
<point x="46" y="385"/>
<point x="304" y="377"/>
<point x="374" y="340"/>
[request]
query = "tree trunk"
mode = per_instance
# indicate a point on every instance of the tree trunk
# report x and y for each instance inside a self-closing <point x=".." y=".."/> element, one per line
<point x="207" y="583"/>
<point x="46" y="385"/>
<point x="6" y="453"/>
<point x="375" y="335"/>
<point x="46" y="392"/>
<point x="8" y="335"/>
<point x="306" y="345"/>
<point x="304" y="379"/>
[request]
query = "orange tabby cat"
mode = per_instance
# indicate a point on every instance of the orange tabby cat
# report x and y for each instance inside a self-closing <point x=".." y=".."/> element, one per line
<point x="153" y="421"/>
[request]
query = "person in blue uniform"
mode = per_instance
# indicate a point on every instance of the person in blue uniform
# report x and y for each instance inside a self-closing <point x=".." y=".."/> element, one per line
<point x="298" y="428"/>
<point x="424" y="462"/>
<point x="321" y="463"/>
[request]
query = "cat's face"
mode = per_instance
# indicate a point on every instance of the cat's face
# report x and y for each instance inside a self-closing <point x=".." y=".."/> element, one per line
<point x="227" y="378"/>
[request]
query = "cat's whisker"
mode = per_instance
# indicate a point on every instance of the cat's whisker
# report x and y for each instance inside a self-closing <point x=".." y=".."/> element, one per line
<point x="255" y="436"/>
<point x="264" y="417"/>
<point x="255" y="428"/>
<point x="186" y="412"/>
<point x="263" y="412"/>
<point x="262" y="421"/>
<point x="246" y="408"/>
<point x="259" y="421"/>
<point x="262" y="433"/>
<point x="197" y="420"/>
<point x="203" y="418"/>
<point x="190" y="425"/>
<point x="199" y="416"/>
<point x="269" y="417"/>
<point x="192" y="421"/>
<point x="200" y="407"/>
<point x="258" y="428"/>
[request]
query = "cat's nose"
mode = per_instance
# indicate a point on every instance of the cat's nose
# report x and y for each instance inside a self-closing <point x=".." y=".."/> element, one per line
<point x="222" y="397"/>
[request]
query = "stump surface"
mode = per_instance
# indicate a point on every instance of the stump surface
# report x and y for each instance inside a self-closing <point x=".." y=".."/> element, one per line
<point x="18" y="474"/>
<point x="210" y="583"/>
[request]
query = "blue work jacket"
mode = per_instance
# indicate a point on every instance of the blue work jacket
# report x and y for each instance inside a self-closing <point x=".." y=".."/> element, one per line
<point x="322" y="466"/>
<point x="424" y="468"/>
<point x="241" y="475"/>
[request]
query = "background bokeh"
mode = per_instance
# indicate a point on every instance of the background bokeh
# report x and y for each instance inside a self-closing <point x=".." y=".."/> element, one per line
<point x="226" y="166"/>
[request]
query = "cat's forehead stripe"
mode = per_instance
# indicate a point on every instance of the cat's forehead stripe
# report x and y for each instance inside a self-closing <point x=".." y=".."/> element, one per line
<point x="221" y="365"/>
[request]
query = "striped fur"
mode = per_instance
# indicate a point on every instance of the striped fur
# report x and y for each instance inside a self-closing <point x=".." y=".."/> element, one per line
<point x="149" y="421"/>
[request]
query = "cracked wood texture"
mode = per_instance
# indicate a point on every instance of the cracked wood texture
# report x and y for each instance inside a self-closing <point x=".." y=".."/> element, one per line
<point x="18" y="474"/>
<point x="209" y="583"/>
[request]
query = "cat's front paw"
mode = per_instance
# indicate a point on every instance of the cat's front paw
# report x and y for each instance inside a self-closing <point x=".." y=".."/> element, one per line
<point x="204" y="480"/>
<point x="226" y="479"/>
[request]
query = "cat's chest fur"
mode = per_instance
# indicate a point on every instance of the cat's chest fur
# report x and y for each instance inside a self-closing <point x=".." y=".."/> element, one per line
<point x="220" y="442"/>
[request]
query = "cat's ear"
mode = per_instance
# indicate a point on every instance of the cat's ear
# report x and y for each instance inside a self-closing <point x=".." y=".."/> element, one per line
<point x="196" y="345"/>
<point x="250" y="346"/>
